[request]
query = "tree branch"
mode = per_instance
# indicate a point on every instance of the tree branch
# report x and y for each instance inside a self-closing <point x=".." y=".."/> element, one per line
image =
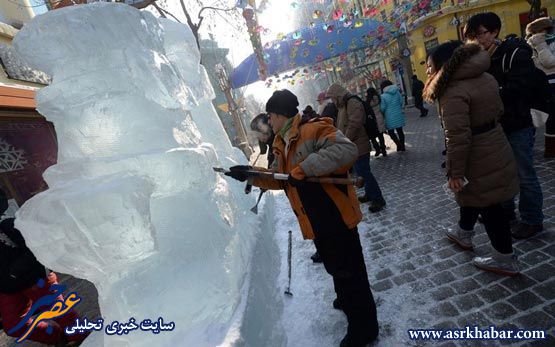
<point x="143" y="4"/>
<point x="159" y="9"/>
<point x="188" y="17"/>
<point x="215" y="9"/>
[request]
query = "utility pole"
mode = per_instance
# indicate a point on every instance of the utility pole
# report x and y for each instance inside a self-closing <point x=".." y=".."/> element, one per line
<point x="404" y="53"/>
<point x="241" y="142"/>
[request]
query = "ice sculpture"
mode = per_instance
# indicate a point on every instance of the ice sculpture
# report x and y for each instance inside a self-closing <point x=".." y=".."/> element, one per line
<point x="133" y="204"/>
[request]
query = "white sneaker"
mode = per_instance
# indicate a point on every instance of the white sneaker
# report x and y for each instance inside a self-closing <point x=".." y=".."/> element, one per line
<point x="461" y="237"/>
<point x="504" y="264"/>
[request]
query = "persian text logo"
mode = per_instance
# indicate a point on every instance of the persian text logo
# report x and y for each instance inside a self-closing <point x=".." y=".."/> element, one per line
<point x="119" y="328"/>
<point x="58" y="308"/>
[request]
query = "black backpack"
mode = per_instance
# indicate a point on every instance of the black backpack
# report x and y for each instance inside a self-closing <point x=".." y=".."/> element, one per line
<point x="370" y="124"/>
<point x="541" y="95"/>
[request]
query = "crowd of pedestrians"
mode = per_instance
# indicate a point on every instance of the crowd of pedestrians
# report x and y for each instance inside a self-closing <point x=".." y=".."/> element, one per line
<point x="490" y="93"/>
<point x="486" y="91"/>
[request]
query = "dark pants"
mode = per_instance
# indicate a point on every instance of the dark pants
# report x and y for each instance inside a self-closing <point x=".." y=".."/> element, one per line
<point x="419" y="104"/>
<point x="399" y="141"/>
<point x="342" y="256"/>
<point x="530" y="203"/>
<point x="550" y="124"/>
<point x="495" y="222"/>
<point x="378" y="147"/>
<point x="371" y="187"/>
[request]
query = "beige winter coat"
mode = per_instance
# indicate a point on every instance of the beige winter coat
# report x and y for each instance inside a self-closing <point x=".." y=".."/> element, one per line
<point x="469" y="98"/>
<point x="351" y="118"/>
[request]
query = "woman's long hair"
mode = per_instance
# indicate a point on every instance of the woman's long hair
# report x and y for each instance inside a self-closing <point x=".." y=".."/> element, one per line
<point x="439" y="57"/>
<point x="384" y="84"/>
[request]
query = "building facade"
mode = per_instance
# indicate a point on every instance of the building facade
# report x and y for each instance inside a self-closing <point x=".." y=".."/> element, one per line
<point x="441" y="23"/>
<point x="27" y="140"/>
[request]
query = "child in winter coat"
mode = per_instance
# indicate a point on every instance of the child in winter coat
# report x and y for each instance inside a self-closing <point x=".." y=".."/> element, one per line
<point x="540" y="35"/>
<point x="391" y="106"/>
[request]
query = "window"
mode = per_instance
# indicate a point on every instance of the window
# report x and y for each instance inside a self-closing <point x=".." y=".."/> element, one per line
<point x="430" y="45"/>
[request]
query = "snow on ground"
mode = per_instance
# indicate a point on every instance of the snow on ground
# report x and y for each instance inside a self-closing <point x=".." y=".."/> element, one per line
<point x="309" y="318"/>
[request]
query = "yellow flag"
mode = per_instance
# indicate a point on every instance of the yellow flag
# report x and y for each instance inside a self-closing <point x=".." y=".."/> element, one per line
<point x="223" y="107"/>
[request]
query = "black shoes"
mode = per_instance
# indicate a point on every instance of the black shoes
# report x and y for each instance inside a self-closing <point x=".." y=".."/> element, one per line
<point x="524" y="231"/>
<point x="316" y="258"/>
<point x="377" y="205"/>
<point x="337" y="304"/>
<point x="362" y="199"/>
<point x="358" y="341"/>
<point x="381" y="151"/>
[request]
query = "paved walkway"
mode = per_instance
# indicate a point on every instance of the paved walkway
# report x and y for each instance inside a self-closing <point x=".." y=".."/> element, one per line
<point x="420" y="280"/>
<point x="462" y="295"/>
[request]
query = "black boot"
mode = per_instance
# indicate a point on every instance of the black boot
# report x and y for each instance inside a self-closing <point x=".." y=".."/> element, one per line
<point x="363" y="198"/>
<point x="316" y="258"/>
<point x="549" y="146"/>
<point x="337" y="304"/>
<point x="350" y="342"/>
<point x="377" y="205"/>
<point x="359" y="336"/>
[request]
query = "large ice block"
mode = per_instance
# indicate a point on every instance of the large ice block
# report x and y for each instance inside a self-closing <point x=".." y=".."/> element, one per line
<point x="134" y="205"/>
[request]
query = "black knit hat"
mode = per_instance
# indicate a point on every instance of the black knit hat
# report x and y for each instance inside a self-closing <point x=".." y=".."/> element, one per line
<point x="283" y="102"/>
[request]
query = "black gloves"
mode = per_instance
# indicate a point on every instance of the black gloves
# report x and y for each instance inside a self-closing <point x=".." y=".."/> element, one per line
<point x="295" y="182"/>
<point x="239" y="172"/>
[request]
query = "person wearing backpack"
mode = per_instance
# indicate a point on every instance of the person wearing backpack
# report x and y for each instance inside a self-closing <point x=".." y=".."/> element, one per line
<point x="327" y="213"/>
<point x="326" y="108"/>
<point x="512" y="66"/>
<point x="392" y="109"/>
<point x="540" y="34"/>
<point x="351" y="121"/>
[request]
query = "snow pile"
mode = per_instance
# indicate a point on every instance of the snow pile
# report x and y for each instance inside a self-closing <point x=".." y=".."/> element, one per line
<point x="133" y="204"/>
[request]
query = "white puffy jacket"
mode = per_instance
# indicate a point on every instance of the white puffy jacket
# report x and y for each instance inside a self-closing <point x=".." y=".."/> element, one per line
<point x="544" y="54"/>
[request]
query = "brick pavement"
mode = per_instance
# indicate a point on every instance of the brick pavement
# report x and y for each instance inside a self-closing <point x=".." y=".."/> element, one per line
<point x="407" y="248"/>
<point x="419" y="279"/>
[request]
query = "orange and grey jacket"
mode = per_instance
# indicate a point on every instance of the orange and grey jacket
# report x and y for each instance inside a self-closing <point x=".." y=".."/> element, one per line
<point x="316" y="149"/>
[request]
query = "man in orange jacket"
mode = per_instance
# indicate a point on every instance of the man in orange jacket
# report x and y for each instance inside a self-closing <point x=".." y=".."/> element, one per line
<point x="327" y="213"/>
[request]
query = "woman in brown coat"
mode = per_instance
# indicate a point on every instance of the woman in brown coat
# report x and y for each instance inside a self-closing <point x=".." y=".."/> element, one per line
<point x="477" y="149"/>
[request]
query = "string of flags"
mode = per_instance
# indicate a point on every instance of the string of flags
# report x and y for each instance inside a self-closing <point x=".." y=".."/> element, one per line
<point x="346" y="15"/>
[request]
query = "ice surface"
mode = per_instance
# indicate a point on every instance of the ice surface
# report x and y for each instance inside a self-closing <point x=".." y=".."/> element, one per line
<point x="133" y="203"/>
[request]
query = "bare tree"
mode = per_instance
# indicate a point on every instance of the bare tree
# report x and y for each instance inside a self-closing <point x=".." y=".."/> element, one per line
<point x="161" y="7"/>
<point x="195" y="25"/>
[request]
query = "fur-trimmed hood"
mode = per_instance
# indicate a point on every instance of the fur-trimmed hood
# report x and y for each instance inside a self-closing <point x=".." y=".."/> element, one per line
<point x="539" y="25"/>
<point x="467" y="61"/>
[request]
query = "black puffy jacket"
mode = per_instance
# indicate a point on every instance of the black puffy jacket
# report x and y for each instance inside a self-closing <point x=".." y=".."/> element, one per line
<point x="19" y="269"/>
<point x="515" y="85"/>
